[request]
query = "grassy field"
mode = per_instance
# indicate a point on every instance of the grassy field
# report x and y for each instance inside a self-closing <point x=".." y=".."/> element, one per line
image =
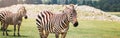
<point x="86" y="29"/>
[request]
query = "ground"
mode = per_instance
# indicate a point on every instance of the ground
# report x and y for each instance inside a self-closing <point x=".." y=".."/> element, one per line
<point x="86" y="29"/>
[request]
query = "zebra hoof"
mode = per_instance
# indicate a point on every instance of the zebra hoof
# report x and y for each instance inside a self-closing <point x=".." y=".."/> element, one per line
<point x="14" y="35"/>
<point x="7" y="34"/>
<point x="18" y="35"/>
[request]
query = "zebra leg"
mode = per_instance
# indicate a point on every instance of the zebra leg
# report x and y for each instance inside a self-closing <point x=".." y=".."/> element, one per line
<point x="63" y="35"/>
<point x="1" y="26"/>
<point x="40" y="32"/>
<point x="14" y="29"/>
<point x="46" y="34"/>
<point x="57" y="35"/>
<point x="3" y="32"/>
<point x="3" y="29"/>
<point x="42" y="35"/>
<point x="5" y="26"/>
<point x="19" y="29"/>
<point x="6" y="29"/>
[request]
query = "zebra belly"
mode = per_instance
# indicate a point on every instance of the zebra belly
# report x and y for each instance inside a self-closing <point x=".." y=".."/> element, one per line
<point x="57" y="31"/>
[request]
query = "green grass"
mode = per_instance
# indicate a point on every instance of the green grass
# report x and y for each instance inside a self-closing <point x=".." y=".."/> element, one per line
<point x="86" y="29"/>
<point x="28" y="30"/>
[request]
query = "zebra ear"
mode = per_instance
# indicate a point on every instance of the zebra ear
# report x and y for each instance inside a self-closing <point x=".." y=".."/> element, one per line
<point x="72" y="6"/>
<point x="76" y="6"/>
<point x="66" y="7"/>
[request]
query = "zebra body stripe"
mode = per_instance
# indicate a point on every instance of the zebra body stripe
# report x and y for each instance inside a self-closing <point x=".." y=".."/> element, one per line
<point x="51" y="23"/>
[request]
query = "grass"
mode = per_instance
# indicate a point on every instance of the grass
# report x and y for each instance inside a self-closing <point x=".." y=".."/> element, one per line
<point x="86" y="29"/>
<point x="28" y="30"/>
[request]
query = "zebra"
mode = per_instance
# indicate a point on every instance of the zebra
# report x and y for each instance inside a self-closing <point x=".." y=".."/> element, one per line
<point x="48" y="22"/>
<point x="14" y="19"/>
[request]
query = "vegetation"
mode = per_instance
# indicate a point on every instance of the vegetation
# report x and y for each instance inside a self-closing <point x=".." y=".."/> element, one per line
<point x="109" y="5"/>
<point x="105" y="5"/>
<point x="85" y="12"/>
<point x="86" y="29"/>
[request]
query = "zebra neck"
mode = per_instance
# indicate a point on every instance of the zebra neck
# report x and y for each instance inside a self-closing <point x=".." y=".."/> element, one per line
<point x="18" y="15"/>
<point x="66" y="20"/>
<point x="67" y="16"/>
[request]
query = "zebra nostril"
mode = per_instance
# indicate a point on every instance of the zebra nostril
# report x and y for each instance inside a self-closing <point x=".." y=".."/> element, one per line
<point x="75" y="24"/>
<point x="25" y="17"/>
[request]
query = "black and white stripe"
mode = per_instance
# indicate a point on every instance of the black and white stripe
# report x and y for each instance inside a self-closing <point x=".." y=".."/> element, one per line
<point x="3" y="14"/>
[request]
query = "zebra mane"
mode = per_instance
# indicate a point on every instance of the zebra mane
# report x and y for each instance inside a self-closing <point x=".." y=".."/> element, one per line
<point x="21" y="11"/>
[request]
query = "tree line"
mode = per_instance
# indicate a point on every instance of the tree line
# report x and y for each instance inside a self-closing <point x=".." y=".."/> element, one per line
<point x="105" y="5"/>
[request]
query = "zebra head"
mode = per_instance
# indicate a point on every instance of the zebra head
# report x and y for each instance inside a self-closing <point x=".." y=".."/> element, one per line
<point x="23" y="12"/>
<point x="72" y="14"/>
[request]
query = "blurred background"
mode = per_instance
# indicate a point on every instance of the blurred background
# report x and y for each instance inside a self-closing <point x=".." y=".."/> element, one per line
<point x="105" y="5"/>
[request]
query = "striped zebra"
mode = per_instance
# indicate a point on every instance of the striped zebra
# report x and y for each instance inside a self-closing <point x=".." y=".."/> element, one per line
<point x="48" y="22"/>
<point x="13" y="19"/>
<point x="3" y="13"/>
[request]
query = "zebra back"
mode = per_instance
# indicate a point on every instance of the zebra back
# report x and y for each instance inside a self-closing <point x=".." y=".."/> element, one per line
<point x="3" y="14"/>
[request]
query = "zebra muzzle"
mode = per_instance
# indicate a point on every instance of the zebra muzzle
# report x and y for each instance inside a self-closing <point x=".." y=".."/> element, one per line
<point x="75" y="24"/>
<point x="26" y="17"/>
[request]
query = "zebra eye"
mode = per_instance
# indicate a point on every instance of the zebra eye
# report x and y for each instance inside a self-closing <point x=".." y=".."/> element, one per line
<point x="71" y="14"/>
